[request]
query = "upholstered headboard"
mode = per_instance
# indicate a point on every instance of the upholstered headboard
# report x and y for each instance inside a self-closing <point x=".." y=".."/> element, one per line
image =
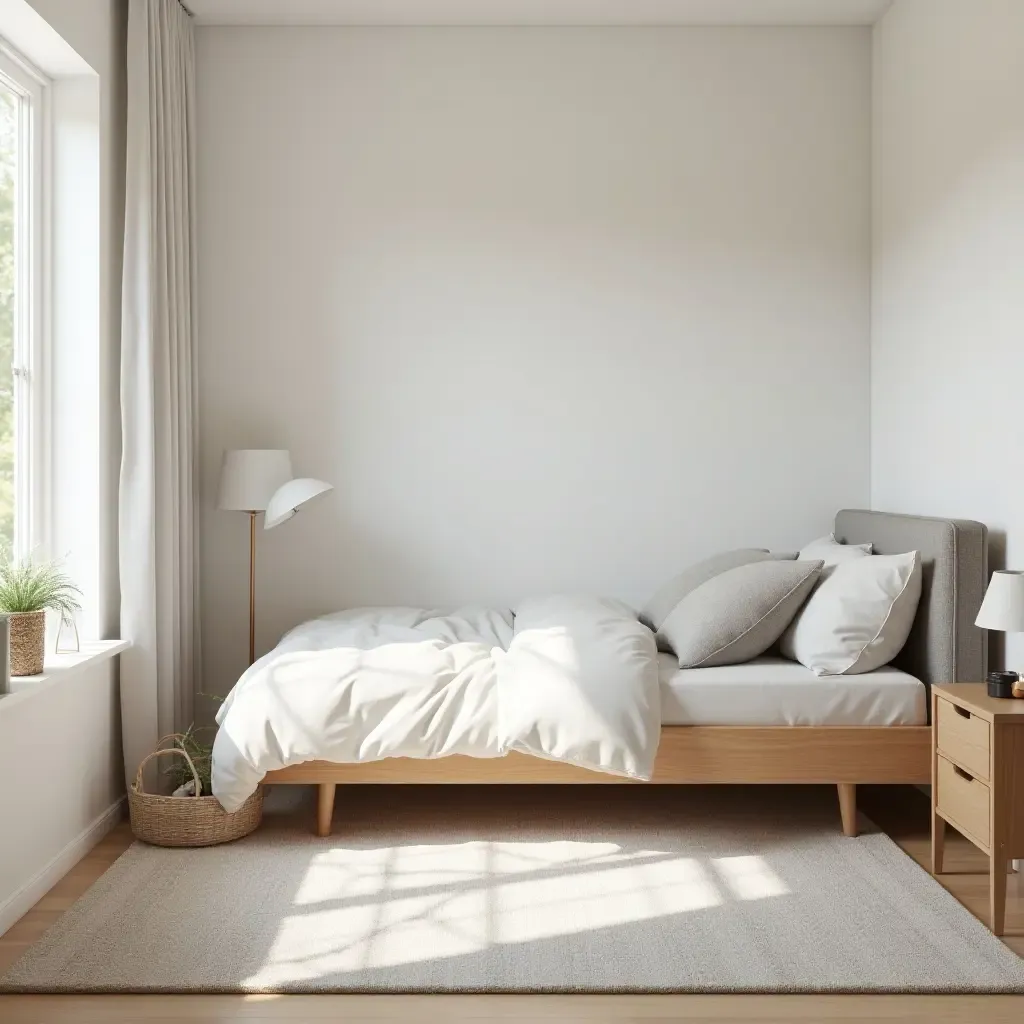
<point x="944" y="646"/>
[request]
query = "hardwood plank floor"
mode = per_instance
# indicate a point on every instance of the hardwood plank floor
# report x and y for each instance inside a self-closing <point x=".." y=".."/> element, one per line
<point x="901" y="811"/>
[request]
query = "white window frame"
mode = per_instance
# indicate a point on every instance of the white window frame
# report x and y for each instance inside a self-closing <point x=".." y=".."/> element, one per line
<point x="31" y="348"/>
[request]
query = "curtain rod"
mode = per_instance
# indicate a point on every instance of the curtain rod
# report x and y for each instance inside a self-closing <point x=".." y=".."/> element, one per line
<point x="184" y="7"/>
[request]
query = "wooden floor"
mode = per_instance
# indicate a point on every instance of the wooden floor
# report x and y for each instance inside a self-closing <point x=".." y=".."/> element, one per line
<point x="901" y="811"/>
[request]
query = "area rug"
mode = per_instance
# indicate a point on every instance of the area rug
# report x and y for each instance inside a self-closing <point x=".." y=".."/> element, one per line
<point x="577" y="890"/>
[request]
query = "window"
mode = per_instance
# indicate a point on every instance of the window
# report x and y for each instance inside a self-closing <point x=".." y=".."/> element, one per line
<point x="22" y="114"/>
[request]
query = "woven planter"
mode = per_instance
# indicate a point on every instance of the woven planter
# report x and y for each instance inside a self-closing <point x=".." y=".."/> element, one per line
<point x="28" y="642"/>
<point x="188" y="820"/>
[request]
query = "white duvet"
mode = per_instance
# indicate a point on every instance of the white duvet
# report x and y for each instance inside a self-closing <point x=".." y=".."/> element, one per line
<point x="567" y="678"/>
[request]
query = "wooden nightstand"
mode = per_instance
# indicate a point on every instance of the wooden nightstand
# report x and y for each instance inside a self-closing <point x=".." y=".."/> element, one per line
<point x="978" y="779"/>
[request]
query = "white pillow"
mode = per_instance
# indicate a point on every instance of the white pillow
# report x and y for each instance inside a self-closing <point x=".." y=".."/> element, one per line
<point x="859" y="617"/>
<point x="831" y="552"/>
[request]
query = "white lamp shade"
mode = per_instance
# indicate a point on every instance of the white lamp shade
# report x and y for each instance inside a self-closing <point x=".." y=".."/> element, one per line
<point x="1003" y="607"/>
<point x="250" y="476"/>
<point x="287" y="499"/>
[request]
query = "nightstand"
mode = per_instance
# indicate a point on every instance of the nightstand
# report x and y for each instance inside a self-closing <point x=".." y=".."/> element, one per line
<point x="978" y="780"/>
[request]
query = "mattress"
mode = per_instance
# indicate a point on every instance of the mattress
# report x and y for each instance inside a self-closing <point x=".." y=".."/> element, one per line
<point x="776" y="691"/>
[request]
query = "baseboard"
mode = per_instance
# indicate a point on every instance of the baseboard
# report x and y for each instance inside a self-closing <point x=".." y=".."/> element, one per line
<point x="18" y="904"/>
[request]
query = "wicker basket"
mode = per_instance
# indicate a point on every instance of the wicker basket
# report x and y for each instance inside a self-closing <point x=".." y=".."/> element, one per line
<point x="28" y="642"/>
<point x="188" y="820"/>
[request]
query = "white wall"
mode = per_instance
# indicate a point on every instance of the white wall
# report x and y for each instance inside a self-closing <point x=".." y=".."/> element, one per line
<point x="553" y="309"/>
<point x="948" y="310"/>
<point x="60" y="759"/>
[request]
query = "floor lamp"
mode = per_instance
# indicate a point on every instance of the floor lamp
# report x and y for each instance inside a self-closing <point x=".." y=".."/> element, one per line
<point x="249" y="478"/>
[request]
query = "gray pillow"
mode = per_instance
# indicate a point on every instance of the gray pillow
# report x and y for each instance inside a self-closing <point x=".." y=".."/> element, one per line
<point x="738" y="614"/>
<point x="656" y="611"/>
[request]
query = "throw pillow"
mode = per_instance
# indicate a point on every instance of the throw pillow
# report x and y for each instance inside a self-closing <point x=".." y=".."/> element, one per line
<point x="831" y="552"/>
<point x="738" y="614"/>
<point x="859" y="617"/>
<point x="668" y="596"/>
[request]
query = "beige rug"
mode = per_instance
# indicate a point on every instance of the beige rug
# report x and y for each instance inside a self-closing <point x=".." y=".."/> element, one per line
<point x="576" y="889"/>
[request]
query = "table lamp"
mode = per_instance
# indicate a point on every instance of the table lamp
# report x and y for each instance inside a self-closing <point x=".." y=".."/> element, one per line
<point x="249" y="478"/>
<point x="1003" y="607"/>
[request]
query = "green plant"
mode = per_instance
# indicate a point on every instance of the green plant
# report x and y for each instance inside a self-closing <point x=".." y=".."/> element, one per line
<point x="201" y="752"/>
<point x="28" y="587"/>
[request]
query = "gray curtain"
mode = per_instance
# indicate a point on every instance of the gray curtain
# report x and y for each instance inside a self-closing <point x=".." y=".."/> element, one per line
<point x="159" y="396"/>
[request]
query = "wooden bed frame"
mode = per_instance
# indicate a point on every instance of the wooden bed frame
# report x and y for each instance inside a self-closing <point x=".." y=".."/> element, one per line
<point x="839" y="755"/>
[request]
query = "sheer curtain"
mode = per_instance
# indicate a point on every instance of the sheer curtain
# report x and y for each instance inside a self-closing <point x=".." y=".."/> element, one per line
<point x="159" y="394"/>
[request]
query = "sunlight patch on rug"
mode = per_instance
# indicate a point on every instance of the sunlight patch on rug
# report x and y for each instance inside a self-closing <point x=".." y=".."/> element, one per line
<point x="358" y="909"/>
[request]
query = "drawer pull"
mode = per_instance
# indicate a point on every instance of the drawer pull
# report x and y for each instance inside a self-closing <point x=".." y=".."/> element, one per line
<point x="962" y="712"/>
<point x="963" y="775"/>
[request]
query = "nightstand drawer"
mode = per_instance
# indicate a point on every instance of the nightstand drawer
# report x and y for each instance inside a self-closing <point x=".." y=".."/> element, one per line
<point x="963" y="738"/>
<point x="963" y="800"/>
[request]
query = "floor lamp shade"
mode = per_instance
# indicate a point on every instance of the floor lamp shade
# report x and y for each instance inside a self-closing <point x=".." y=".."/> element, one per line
<point x="288" y="499"/>
<point x="250" y="476"/>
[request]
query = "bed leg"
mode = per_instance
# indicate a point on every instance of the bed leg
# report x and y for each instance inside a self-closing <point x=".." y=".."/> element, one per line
<point x="325" y="808"/>
<point x="848" y="807"/>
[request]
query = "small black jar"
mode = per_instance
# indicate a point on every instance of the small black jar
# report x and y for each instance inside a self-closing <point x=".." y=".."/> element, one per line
<point x="1000" y="684"/>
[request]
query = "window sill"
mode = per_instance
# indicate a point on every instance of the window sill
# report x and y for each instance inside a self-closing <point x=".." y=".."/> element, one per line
<point x="60" y="668"/>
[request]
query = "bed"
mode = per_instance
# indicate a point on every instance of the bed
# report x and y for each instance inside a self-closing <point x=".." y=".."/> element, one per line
<point x="770" y="721"/>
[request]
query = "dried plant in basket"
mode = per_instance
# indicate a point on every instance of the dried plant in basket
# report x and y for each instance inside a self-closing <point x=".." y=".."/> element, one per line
<point x="199" y="751"/>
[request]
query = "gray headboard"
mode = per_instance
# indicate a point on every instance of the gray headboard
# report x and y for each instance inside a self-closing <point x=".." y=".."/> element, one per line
<point x="944" y="646"/>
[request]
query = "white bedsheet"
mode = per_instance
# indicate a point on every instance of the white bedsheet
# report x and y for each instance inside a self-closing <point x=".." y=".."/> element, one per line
<point x="573" y="679"/>
<point x="775" y="691"/>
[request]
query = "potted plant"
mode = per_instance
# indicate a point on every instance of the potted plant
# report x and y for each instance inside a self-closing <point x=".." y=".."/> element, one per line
<point x="27" y="590"/>
<point x="191" y="815"/>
